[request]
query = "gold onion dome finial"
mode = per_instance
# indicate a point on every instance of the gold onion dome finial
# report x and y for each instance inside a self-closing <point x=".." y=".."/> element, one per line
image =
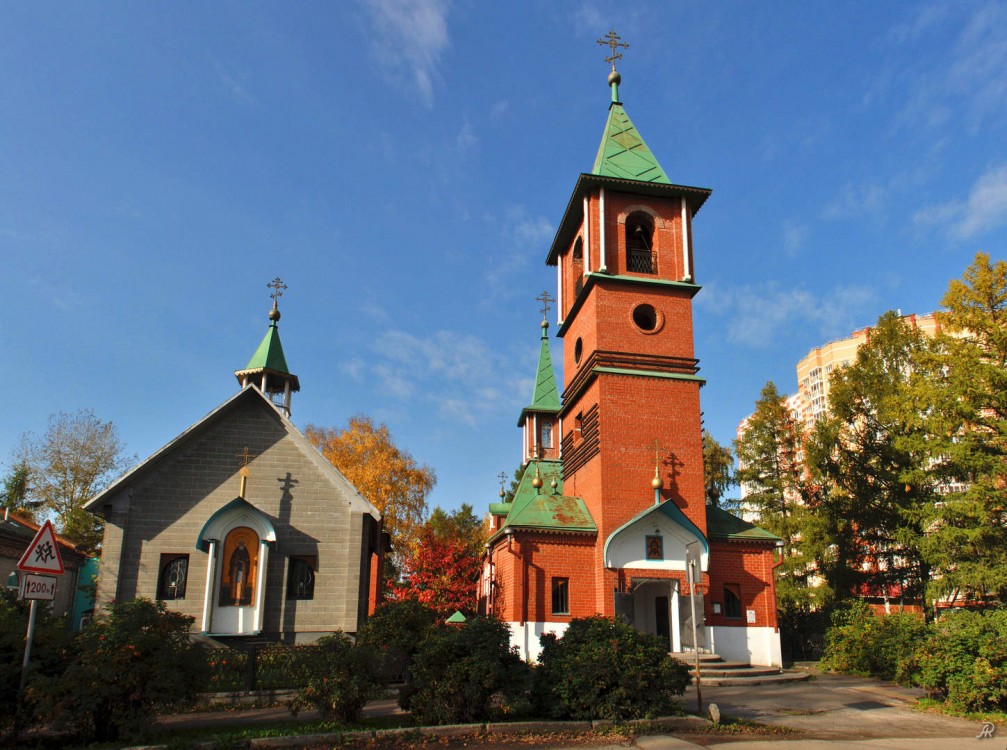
<point x="657" y="482"/>
<point x="536" y="481"/>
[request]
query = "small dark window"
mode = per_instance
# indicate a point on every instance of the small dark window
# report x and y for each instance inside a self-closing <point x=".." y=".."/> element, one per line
<point x="546" y="434"/>
<point x="645" y="317"/>
<point x="561" y="596"/>
<point x="301" y="578"/>
<point x="640" y="256"/>
<point x="578" y="251"/>
<point x="174" y="572"/>
<point x="578" y="351"/>
<point x="732" y="601"/>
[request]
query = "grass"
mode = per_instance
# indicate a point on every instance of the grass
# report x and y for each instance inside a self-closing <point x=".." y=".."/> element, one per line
<point x="930" y="704"/>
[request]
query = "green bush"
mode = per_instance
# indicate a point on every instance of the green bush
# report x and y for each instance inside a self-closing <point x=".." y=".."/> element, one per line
<point x="863" y="643"/>
<point x="340" y="678"/>
<point x="46" y="663"/>
<point x="133" y="661"/>
<point x="603" y="668"/>
<point x="964" y="661"/>
<point x="395" y="631"/>
<point x="464" y="674"/>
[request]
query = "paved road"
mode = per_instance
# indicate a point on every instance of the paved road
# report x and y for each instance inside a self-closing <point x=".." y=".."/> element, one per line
<point x="846" y="709"/>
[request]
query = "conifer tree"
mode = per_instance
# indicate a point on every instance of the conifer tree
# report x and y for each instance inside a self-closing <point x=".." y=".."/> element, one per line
<point x="964" y="409"/>
<point x="868" y="456"/>
<point x="771" y="473"/>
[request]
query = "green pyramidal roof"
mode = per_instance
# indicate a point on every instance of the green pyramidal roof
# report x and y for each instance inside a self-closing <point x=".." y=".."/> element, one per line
<point x="546" y="508"/>
<point x="623" y="153"/>
<point x="545" y="397"/>
<point x="269" y="355"/>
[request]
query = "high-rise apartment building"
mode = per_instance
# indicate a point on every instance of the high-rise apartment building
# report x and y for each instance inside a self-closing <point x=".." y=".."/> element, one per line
<point x="815" y="371"/>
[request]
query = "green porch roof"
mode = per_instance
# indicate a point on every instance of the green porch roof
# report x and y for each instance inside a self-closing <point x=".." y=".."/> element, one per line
<point x="623" y="153"/>
<point x="546" y="508"/>
<point x="723" y="525"/>
<point x="545" y="396"/>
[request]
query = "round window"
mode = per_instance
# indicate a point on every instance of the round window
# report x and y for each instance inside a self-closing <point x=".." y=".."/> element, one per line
<point x="578" y="350"/>
<point x="645" y="317"/>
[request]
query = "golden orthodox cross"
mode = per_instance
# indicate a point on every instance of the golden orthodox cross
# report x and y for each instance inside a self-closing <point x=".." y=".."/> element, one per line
<point x="545" y="299"/>
<point x="277" y="286"/>
<point x="246" y="456"/>
<point x="613" y="41"/>
<point x="656" y="445"/>
<point x="502" y="476"/>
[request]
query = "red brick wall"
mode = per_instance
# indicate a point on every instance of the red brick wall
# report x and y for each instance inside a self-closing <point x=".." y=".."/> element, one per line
<point x="750" y="566"/>
<point x="530" y="562"/>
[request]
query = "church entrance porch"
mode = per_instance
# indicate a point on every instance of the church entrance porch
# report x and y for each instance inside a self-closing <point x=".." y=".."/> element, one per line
<point x="653" y="606"/>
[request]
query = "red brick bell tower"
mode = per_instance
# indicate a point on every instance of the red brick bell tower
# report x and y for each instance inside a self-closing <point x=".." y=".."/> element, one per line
<point x="611" y="522"/>
<point x="626" y="283"/>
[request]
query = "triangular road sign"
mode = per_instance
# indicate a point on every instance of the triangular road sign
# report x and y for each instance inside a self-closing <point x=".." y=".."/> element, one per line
<point x="42" y="555"/>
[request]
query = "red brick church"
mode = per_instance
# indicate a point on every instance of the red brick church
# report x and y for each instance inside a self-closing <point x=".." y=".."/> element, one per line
<point x="611" y="502"/>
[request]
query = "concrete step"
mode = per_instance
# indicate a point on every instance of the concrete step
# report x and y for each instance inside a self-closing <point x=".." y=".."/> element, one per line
<point x="689" y="657"/>
<point x="746" y="671"/>
<point x="765" y="679"/>
<point x="707" y="665"/>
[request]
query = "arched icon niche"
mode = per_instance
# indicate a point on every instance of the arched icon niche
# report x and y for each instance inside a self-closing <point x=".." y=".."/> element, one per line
<point x="239" y="568"/>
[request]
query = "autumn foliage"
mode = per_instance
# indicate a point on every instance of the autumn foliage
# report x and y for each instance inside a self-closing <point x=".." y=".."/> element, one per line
<point x="441" y="574"/>
<point x="384" y="474"/>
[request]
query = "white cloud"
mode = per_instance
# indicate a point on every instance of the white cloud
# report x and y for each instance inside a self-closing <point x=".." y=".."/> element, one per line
<point x="794" y="237"/>
<point x="499" y="109"/>
<point x="963" y="86"/>
<point x="855" y="201"/>
<point x="236" y="89"/>
<point x="456" y="372"/>
<point x="589" y="19"/>
<point x="521" y="238"/>
<point x="759" y="315"/>
<point x="466" y="140"/>
<point x="984" y="209"/>
<point x="410" y="38"/>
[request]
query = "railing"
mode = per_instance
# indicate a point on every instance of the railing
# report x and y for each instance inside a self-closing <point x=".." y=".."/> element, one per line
<point x="641" y="261"/>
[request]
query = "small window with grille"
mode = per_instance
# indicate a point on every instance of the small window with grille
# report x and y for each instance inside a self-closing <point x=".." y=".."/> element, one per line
<point x="174" y="571"/>
<point x="301" y="577"/>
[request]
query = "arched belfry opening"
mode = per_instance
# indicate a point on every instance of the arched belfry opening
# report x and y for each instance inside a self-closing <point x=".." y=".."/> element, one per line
<point x="640" y="254"/>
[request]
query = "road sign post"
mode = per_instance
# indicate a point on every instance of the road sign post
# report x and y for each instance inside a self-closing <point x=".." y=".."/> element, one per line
<point x="41" y="557"/>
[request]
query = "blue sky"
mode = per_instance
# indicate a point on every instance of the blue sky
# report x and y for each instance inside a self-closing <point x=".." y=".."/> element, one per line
<point x="403" y="165"/>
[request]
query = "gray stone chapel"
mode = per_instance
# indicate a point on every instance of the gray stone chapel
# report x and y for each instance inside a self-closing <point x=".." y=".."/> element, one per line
<point x="241" y="523"/>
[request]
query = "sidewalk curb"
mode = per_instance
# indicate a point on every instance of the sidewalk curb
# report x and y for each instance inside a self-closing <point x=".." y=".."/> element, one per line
<point x="663" y="723"/>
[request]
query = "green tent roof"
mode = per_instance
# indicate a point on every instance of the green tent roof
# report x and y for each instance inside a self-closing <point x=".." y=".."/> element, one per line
<point x="722" y="525"/>
<point x="457" y="618"/>
<point x="547" y="508"/>
<point x="269" y="355"/>
<point x="623" y="153"/>
<point x="545" y="396"/>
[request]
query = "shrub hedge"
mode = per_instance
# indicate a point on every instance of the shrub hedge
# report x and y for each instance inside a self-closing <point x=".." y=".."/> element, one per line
<point x="602" y="668"/>
<point x="464" y="674"/>
<point x="960" y="659"/>
<point x="340" y="678"/>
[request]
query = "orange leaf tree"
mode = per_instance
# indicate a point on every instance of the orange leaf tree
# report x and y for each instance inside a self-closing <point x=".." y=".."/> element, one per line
<point x="384" y="474"/>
